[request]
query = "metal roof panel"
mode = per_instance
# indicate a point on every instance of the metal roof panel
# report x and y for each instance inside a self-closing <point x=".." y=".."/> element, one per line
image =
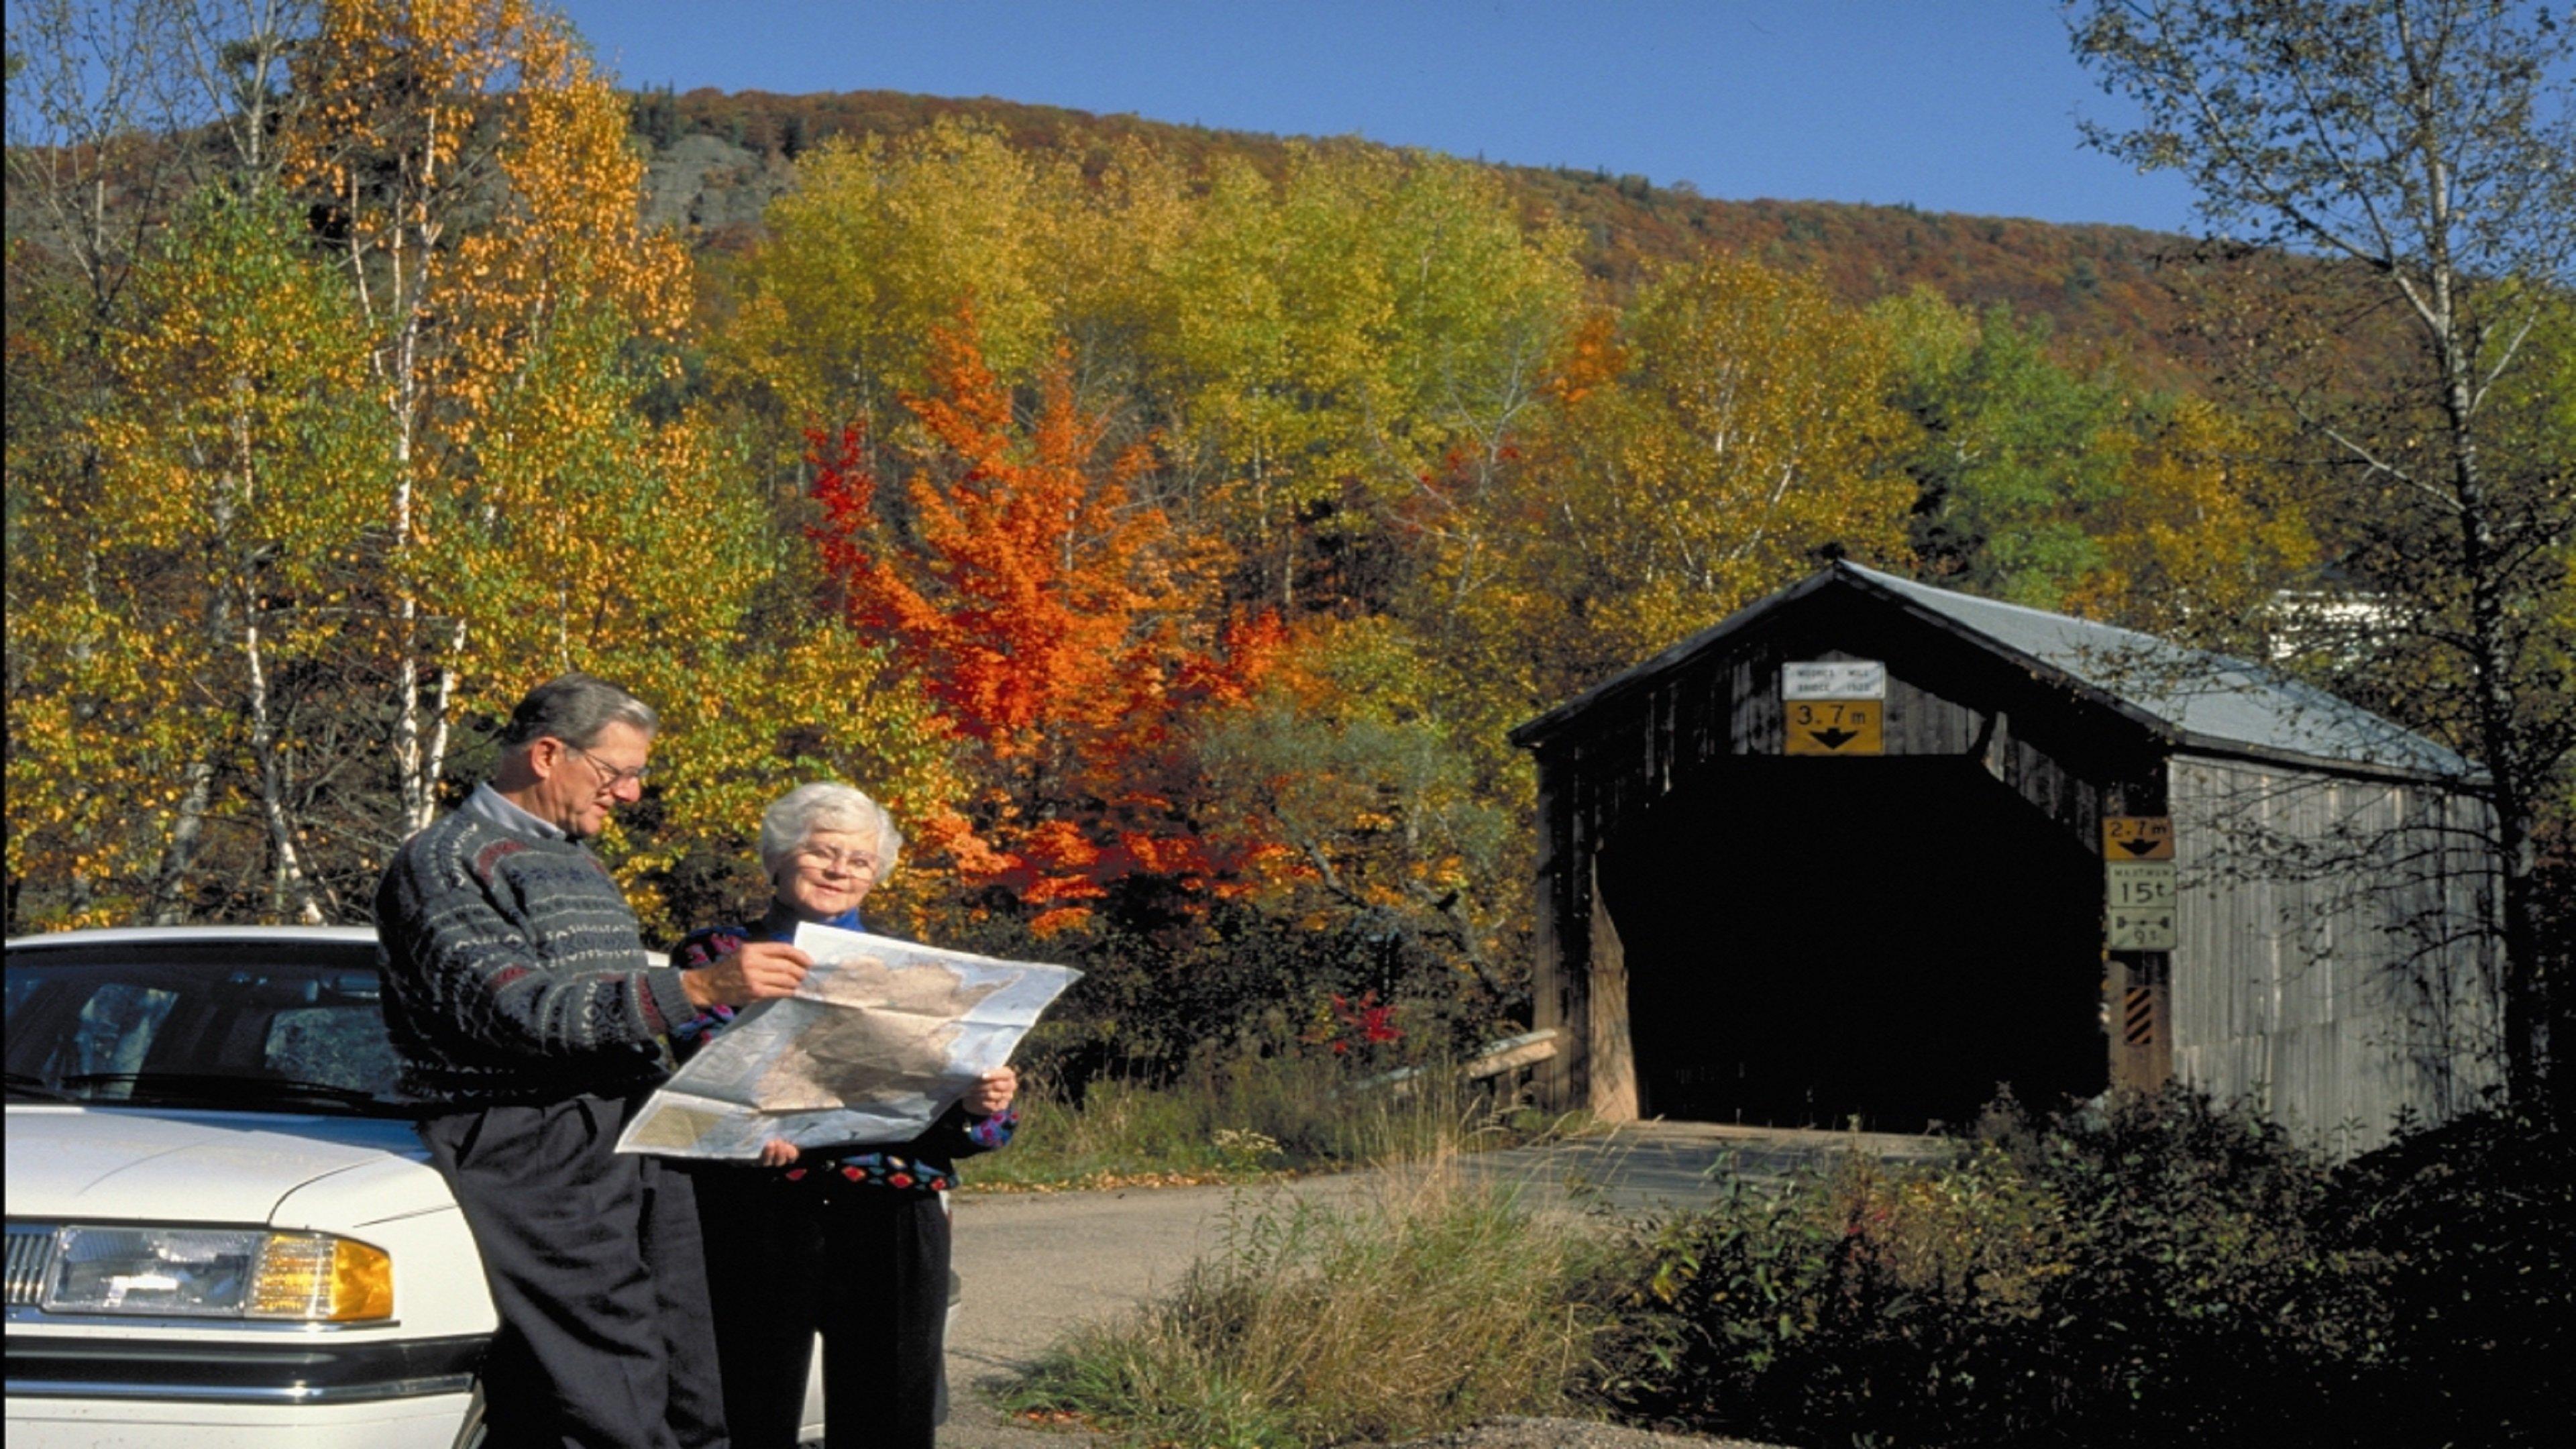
<point x="2203" y="698"/>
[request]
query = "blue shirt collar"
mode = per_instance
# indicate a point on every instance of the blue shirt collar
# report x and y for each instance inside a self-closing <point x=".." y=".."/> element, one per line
<point x="781" y="922"/>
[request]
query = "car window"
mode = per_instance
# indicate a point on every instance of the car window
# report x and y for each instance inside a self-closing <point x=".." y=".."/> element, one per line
<point x="248" y="1026"/>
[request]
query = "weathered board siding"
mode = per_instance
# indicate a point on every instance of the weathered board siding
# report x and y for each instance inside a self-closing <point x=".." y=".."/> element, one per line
<point x="2336" y="961"/>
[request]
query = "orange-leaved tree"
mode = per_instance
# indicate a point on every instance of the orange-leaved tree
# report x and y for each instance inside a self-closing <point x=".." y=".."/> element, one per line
<point x="1067" y="630"/>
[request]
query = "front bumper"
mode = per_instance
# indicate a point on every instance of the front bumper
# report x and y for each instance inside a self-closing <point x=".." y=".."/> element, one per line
<point x="300" y="1370"/>
<point x="429" y="1422"/>
<point x="302" y="1392"/>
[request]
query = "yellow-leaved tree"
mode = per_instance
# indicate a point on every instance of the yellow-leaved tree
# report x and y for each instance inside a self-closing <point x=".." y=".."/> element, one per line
<point x="1732" y="424"/>
<point x="880" y="242"/>
<point x="1329" y="344"/>
<point x="485" y="207"/>
<point x="179" y="633"/>
<point x="1303" y="347"/>
<point x="2205" y="534"/>
<point x="559" y="499"/>
<point x="369" y="464"/>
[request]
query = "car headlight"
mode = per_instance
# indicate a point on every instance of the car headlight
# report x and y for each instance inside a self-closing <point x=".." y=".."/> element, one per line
<point x="219" y="1273"/>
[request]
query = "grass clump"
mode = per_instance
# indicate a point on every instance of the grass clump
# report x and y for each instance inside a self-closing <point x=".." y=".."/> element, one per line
<point x="1239" y="1119"/>
<point x="1423" y="1309"/>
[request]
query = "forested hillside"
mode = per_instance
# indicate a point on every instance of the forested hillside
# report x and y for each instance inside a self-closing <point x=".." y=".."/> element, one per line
<point x="2108" y="291"/>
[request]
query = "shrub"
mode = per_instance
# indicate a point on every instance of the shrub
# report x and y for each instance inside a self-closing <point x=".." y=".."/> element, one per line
<point x="2199" y="1296"/>
<point x="2149" y="1272"/>
<point x="1850" y="1308"/>
<point x="2475" y="1226"/>
<point x="1161" y="994"/>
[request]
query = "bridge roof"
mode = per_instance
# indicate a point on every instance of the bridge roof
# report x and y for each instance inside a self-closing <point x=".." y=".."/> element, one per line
<point x="2197" y="701"/>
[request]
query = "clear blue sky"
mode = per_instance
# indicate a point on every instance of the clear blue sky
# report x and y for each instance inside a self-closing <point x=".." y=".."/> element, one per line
<point x="1953" y="105"/>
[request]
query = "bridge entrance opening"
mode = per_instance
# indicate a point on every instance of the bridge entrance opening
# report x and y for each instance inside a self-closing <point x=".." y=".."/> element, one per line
<point x="1810" y="942"/>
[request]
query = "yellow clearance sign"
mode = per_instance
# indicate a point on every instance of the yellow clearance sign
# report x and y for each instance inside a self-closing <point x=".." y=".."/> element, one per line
<point x="2137" y="837"/>
<point x="1837" y="726"/>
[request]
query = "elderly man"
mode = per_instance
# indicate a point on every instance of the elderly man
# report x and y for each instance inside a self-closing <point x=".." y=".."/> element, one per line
<point x="521" y="999"/>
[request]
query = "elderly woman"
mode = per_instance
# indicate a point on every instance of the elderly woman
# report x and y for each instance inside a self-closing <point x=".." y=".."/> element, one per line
<point x="850" y="1239"/>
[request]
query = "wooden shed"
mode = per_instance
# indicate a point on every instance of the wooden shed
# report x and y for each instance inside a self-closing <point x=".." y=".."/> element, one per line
<point x="1869" y="849"/>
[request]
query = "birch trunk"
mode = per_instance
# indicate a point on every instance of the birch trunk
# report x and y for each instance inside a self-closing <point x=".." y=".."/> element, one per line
<point x="169" y="884"/>
<point x="295" y="884"/>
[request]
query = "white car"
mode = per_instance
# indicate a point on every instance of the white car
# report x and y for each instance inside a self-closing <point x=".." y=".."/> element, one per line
<point x="223" y="1230"/>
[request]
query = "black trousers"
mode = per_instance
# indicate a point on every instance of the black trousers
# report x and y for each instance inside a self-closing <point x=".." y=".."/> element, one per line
<point x="595" y="1268"/>
<point x="868" y="1268"/>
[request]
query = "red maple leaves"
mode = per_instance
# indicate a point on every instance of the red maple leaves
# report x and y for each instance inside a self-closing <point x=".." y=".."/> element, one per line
<point x="1047" y="608"/>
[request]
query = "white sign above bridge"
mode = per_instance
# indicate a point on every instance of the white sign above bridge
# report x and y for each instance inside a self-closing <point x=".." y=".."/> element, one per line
<point x="1834" y="679"/>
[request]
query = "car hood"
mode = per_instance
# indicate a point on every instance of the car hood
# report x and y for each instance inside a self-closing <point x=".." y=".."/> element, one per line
<point x="135" y="1164"/>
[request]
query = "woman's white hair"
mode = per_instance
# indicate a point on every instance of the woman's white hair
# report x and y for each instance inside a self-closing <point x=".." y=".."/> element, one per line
<point x="793" y="818"/>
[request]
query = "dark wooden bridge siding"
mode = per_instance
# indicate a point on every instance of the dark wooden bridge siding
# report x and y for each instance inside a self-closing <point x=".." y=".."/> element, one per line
<point x="2073" y="760"/>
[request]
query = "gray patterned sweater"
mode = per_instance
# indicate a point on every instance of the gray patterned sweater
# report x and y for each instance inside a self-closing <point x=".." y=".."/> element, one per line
<point x="514" y="971"/>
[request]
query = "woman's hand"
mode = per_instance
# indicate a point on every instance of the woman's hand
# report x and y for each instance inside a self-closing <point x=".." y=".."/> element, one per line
<point x="778" y="1152"/>
<point x="992" y="1092"/>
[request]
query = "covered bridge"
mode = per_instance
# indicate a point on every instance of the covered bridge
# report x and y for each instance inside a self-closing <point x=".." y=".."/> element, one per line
<point x="1868" y="849"/>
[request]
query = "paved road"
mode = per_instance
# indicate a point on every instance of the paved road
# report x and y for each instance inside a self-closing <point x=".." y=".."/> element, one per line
<point x="1660" y="1165"/>
<point x="1036" y="1264"/>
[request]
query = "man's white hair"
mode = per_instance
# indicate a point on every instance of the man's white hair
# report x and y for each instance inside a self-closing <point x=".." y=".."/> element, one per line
<point x="792" y="819"/>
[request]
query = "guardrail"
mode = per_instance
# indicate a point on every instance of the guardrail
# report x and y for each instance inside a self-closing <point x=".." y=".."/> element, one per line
<point x="1494" y="1059"/>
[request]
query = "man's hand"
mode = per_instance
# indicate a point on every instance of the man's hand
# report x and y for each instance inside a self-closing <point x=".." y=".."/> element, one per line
<point x="992" y="1092"/>
<point x="778" y="1152"/>
<point x="759" y="971"/>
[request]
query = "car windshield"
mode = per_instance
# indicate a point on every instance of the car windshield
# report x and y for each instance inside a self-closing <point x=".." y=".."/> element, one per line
<point x="241" y="1026"/>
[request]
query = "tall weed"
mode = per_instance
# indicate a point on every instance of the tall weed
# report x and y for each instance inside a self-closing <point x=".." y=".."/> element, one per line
<point x="1425" y="1308"/>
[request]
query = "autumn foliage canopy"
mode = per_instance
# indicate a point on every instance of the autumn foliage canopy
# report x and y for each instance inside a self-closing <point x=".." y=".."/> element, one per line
<point x="1168" y="526"/>
<point x="1052" y="614"/>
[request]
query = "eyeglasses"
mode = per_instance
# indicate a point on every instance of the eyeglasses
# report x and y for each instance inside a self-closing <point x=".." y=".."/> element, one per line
<point x="615" y="776"/>
<point x="856" y="862"/>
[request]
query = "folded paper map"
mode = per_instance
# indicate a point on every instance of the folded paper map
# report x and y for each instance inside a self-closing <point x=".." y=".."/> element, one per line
<point x="878" y="1040"/>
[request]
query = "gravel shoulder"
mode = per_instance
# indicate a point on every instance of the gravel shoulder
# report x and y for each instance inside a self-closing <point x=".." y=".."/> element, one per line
<point x="1519" y="1433"/>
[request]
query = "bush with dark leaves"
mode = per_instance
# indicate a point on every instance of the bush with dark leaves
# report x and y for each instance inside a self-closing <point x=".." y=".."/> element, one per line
<point x="2154" y="1270"/>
